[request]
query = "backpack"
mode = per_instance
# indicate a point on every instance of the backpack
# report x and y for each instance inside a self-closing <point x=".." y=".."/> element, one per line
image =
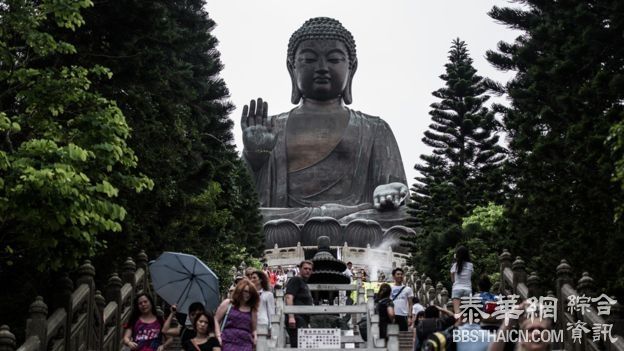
<point x="425" y="329"/>
<point x="439" y="341"/>
<point x="489" y="301"/>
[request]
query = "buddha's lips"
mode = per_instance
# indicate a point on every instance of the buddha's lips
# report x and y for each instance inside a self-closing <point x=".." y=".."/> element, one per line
<point x="322" y="80"/>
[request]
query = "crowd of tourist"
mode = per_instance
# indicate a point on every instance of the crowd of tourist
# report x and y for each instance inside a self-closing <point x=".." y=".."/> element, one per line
<point x="250" y="302"/>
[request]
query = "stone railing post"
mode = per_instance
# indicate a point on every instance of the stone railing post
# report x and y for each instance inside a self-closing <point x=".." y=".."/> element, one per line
<point x="444" y="297"/>
<point x="279" y="308"/>
<point x="86" y="275"/>
<point x="439" y="288"/>
<point x="128" y="273"/>
<point x="275" y="329"/>
<point x="564" y="276"/>
<point x="113" y="289"/>
<point x="263" y="337"/>
<point x="504" y="260"/>
<point x="432" y="296"/>
<point x="7" y="339"/>
<point x="361" y="293"/>
<point x="143" y="285"/>
<point x="533" y="283"/>
<point x="586" y="286"/>
<point x="37" y="324"/>
<point x="141" y="260"/>
<point x="373" y="334"/>
<point x="99" y="327"/>
<point x="519" y="272"/>
<point x="426" y="286"/>
<point x="100" y="302"/>
<point x="113" y="294"/>
<point x="393" y="337"/>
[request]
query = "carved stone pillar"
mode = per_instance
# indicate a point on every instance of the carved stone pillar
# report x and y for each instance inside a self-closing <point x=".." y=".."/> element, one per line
<point x="7" y="339"/>
<point x="504" y="260"/>
<point x="86" y="275"/>
<point x="263" y="337"/>
<point x="519" y="272"/>
<point x="393" y="337"/>
<point x="564" y="276"/>
<point x="128" y="272"/>
<point x="36" y="325"/>
<point x="533" y="283"/>
<point x="586" y="285"/>
<point x="444" y="297"/>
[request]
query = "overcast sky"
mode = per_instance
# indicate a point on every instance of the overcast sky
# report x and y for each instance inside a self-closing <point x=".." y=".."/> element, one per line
<point x="402" y="46"/>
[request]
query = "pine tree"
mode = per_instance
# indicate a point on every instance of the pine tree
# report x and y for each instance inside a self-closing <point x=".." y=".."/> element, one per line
<point x="166" y="80"/>
<point x="463" y="170"/>
<point x="565" y="97"/>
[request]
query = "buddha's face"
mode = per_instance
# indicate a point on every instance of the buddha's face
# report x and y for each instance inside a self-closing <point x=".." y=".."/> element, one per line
<point x="321" y="69"/>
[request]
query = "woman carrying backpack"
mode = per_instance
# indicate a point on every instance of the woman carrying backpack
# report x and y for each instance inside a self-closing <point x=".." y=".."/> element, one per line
<point x="385" y="309"/>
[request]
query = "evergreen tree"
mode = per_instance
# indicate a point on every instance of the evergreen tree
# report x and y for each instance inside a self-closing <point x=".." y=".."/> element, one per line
<point x="463" y="170"/>
<point x="565" y="97"/>
<point x="166" y="80"/>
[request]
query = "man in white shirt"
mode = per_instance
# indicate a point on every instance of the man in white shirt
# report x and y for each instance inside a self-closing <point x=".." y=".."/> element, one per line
<point x="349" y="271"/>
<point x="402" y="298"/>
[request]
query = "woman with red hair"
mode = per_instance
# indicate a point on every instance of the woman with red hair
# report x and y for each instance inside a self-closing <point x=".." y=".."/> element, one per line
<point x="237" y="318"/>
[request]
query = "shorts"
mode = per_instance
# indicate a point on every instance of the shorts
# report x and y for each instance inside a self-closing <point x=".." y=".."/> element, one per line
<point x="458" y="293"/>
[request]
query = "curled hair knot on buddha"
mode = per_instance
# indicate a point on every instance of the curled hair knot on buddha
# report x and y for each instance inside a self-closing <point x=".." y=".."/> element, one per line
<point x="322" y="28"/>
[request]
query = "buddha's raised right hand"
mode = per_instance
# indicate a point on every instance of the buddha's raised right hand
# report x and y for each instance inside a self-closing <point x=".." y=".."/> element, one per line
<point x="258" y="136"/>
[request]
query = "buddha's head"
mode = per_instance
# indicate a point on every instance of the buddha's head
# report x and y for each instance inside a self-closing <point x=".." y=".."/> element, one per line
<point x="321" y="61"/>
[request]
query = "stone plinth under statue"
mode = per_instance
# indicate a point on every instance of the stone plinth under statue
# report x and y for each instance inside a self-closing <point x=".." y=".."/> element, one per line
<point x="363" y="242"/>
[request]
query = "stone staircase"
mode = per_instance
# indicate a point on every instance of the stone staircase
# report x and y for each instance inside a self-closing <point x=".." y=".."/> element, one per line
<point x="405" y="341"/>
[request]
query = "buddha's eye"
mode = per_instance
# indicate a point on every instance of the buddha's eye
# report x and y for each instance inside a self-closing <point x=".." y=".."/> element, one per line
<point x="335" y="58"/>
<point x="307" y="58"/>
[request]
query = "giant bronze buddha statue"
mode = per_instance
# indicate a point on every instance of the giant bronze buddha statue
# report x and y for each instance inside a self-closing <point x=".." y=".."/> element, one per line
<point x="322" y="158"/>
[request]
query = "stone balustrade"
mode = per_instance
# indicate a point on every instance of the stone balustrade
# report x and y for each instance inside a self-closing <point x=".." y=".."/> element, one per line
<point x="87" y="319"/>
<point x="515" y="280"/>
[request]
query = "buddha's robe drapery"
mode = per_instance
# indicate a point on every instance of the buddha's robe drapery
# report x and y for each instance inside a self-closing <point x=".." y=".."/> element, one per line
<point x="339" y="184"/>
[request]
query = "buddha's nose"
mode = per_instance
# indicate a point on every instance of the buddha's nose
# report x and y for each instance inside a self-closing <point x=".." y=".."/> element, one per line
<point x="322" y="66"/>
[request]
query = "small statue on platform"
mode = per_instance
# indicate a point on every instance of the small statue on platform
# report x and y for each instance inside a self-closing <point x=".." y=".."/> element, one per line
<point x="322" y="158"/>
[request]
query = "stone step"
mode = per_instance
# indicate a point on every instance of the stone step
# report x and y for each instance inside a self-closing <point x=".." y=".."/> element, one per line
<point x="405" y="340"/>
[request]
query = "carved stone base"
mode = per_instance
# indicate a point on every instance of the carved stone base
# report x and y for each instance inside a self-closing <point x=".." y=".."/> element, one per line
<point x="363" y="242"/>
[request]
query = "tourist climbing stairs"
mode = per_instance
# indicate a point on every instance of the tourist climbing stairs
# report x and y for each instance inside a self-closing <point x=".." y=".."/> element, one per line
<point x="92" y="319"/>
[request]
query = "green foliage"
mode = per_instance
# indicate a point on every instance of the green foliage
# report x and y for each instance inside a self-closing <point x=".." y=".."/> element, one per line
<point x="482" y="229"/>
<point x="486" y="219"/>
<point x="166" y="81"/>
<point x="64" y="155"/>
<point x="464" y="169"/>
<point x="566" y="98"/>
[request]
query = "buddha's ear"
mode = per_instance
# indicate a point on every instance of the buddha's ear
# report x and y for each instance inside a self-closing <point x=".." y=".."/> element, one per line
<point x="347" y="95"/>
<point x="295" y="95"/>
